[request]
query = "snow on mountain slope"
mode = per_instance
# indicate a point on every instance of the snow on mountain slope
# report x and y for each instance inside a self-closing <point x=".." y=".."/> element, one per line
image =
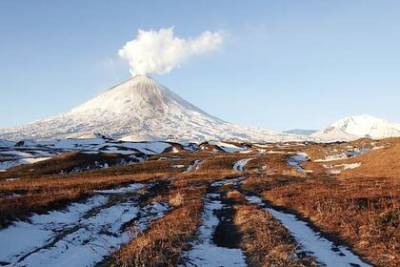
<point x="139" y="109"/>
<point x="355" y="127"/>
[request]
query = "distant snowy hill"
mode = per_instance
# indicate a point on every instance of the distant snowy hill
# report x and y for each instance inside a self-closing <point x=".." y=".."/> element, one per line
<point x="355" y="127"/>
<point x="139" y="109"/>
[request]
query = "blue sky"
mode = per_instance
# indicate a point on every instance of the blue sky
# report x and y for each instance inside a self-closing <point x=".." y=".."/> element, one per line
<point x="283" y="64"/>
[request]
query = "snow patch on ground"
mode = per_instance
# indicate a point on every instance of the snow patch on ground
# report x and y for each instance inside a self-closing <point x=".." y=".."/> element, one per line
<point x="23" y="237"/>
<point x="194" y="166"/>
<point x="332" y="157"/>
<point x="296" y="160"/>
<point x="81" y="235"/>
<point x="241" y="164"/>
<point x="350" y="153"/>
<point x="334" y="171"/>
<point x="13" y="163"/>
<point x="178" y="166"/>
<point x="378" y="147"/>
<point x="232" y="181"/>
<point x="229" y="148"/>
<point x="147" y="147"/>
<point x="122" y="190"/>
<point x="275" y="152"/>
<point x="349" y="166"/>
<point x="338" y="168"/>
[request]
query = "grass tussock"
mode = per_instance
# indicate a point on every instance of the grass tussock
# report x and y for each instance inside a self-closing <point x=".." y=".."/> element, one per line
<point x="176" y="200"/>
<point x="236" y="196"/>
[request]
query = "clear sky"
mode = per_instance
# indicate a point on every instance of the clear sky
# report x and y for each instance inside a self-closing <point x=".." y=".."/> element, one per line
<point x="283" y="64"/>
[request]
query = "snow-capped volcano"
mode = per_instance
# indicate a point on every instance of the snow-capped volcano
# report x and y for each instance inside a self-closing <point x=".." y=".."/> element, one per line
<point x="355" y="127"/>
<point x="138" y="109"/>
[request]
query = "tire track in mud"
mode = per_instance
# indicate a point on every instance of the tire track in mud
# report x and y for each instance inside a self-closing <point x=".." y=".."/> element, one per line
<point x="84" y="233"/>
<point x="217" y="238"/>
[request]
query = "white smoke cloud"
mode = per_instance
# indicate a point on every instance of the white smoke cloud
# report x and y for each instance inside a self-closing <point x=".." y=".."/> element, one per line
<point x="161" y="51"/>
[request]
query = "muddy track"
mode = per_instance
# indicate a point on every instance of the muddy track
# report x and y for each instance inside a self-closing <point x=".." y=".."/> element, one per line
<point x="226" y="233"/>
<point x="217" y="242"/>
<point x="84" y="233"/>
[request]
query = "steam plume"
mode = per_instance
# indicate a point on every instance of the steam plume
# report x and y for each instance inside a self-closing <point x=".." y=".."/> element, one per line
<point x="161" y="51"/>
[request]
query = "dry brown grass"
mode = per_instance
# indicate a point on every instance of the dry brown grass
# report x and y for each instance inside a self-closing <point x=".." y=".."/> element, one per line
<point x="363" y="212"/>
<point x="377" y="163"/>
<point x="176" y="200"/>
<point x="265" y="241"/>
<point x="235" y="196"/>
<point x="271" y="164"/>
<point x="316" y="168"/>
<point x="222" y="161"/>
<point x="164" y="242"/>
<point x="258" y="183"/>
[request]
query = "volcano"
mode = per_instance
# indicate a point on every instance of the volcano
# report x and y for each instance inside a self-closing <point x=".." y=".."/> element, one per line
<point x="138" y="109"/>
